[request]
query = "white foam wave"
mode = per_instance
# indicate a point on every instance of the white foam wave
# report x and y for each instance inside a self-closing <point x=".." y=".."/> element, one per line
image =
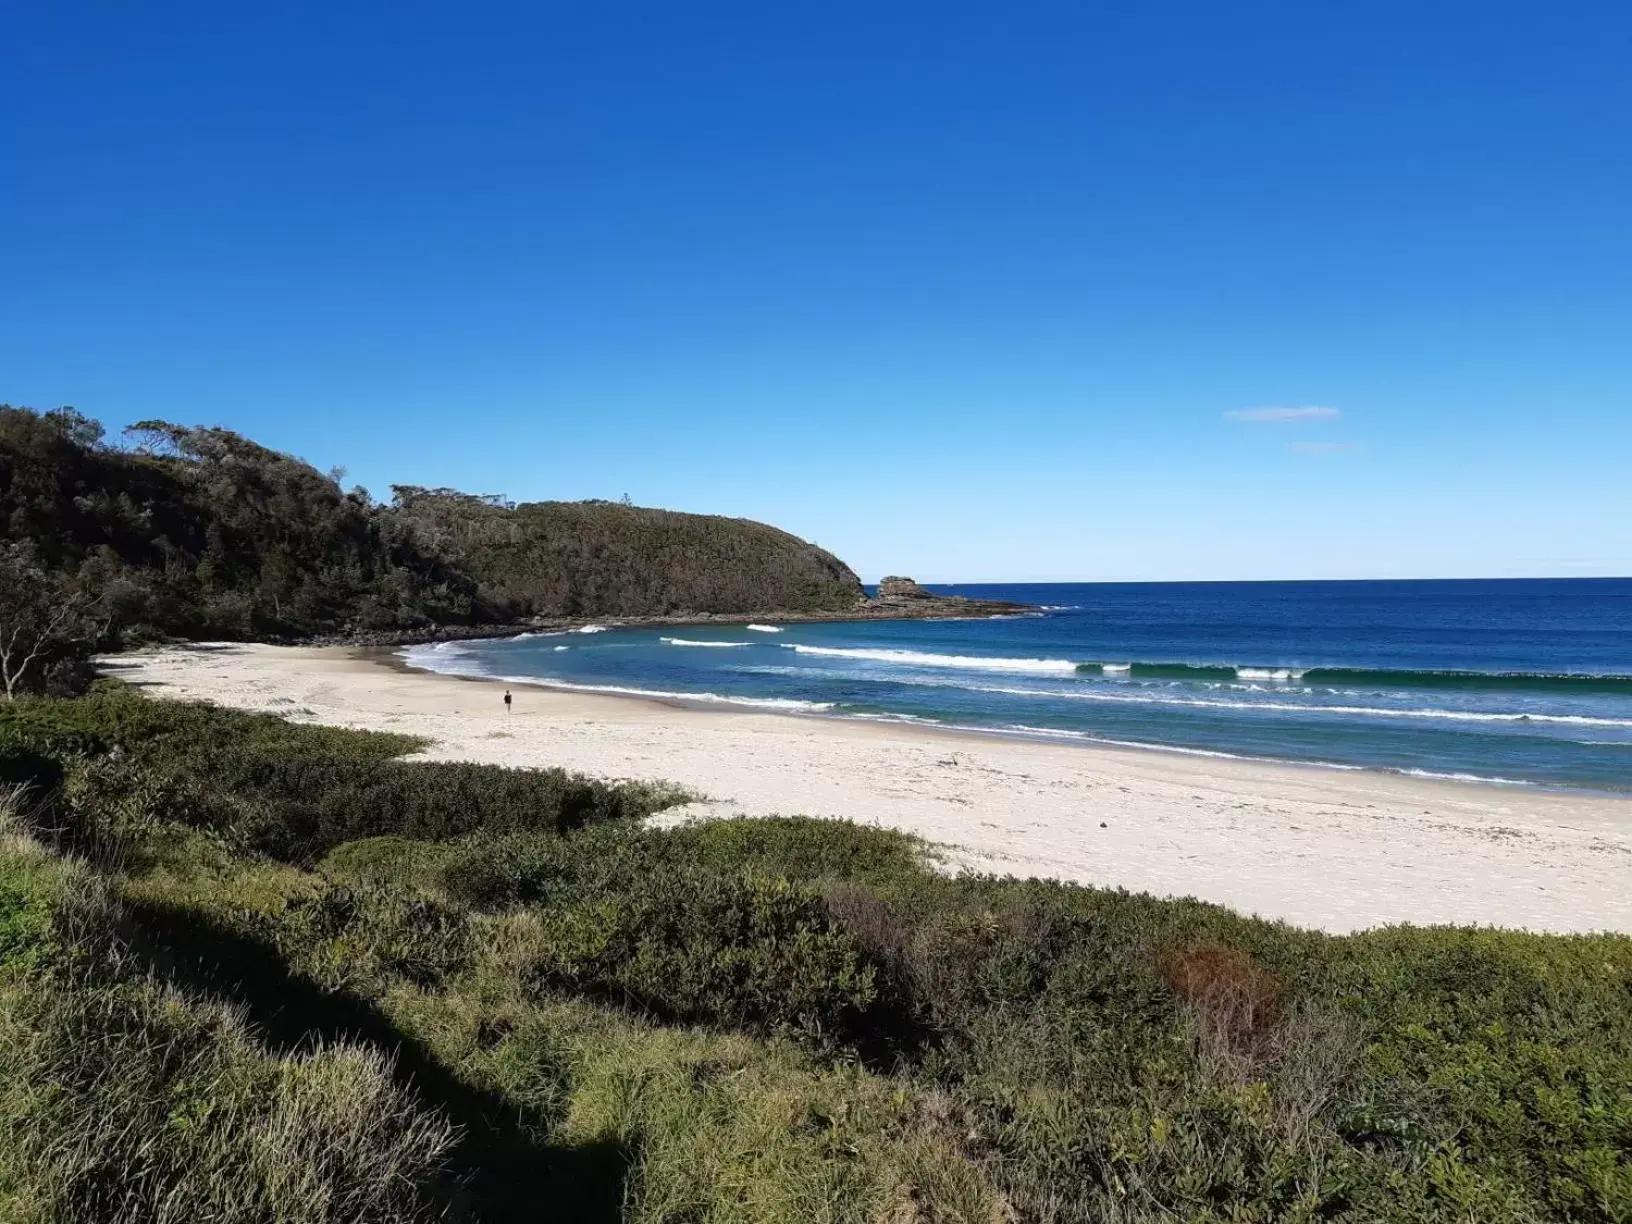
<point x="559" y="648"/>
<point x="917" y="658"/>
<point x="1461" y="777"/>
<point x="783" y="704"/>
<point x="1115" y="669"/>
<point x="916" y="720"/>
<point x="591" y="629"/>
<point x="1269" y="673"/>
<point x="672" y="641"/>
<point x="1177" y="749"/>
<point x="451" y="659"/>
<point x="1578" y="720"/>
<point x="1158" y="699"/>
<point x="448" y="658"/>
<point x="763" y="628"/>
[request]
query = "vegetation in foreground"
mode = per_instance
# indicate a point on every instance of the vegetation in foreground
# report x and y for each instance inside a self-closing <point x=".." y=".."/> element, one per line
<point x="256" y="971"/>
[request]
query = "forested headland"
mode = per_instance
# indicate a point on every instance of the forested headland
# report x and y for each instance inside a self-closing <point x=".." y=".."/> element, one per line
<point x="200" y="533"/>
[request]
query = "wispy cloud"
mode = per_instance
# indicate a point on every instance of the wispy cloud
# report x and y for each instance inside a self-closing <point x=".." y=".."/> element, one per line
<point x="1322" y="448"/>
<point x="1282" y="414"/>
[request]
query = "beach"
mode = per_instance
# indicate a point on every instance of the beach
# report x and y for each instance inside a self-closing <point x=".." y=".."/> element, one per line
<point x="1335" y="850"/>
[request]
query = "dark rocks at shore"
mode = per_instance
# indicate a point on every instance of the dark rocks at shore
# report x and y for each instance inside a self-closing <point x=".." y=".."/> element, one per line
<point x="895" y="589"/>
<point x="904" y="598"/>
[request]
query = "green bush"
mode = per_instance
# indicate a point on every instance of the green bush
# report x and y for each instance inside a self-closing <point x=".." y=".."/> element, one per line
<point x="288" y="791"/>
<point x="1057" y="1053"/>
<point x="179" y="735"/>
<point x="741" y="952"/>
<point x="370" y="934"/>
<point x="299" y="810"/>
<point x="795" y="849"/>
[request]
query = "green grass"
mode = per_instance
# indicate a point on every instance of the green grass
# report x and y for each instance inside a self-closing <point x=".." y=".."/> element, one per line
<point x="762" y="1021"/>
<point x="124" y="1100"/>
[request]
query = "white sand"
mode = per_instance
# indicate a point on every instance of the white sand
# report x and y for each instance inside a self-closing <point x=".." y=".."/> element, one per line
<point x="1316" y="847"/>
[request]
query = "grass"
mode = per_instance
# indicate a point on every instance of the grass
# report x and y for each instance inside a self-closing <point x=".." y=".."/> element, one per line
<point x="746" y="1021"/>
<point x="125" y="1100"/>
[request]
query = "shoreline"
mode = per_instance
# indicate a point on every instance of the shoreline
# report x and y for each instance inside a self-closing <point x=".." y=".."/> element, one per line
<point x="1332" y="849"/>
<point x="392" y="656"/>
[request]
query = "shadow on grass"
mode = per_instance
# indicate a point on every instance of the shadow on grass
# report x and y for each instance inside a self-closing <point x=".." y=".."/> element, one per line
<point x="506" y="1174"/>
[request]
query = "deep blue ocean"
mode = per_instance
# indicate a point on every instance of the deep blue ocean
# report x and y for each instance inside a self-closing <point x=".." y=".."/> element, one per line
<point x="1513" y="681"/>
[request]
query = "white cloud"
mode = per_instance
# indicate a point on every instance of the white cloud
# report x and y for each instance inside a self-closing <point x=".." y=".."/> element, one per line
<point x="1322" y="448"/>
<point x="1282" y="414"/>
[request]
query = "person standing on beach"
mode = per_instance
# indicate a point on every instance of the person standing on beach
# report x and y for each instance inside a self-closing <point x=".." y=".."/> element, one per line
<point x="507" y="701"/>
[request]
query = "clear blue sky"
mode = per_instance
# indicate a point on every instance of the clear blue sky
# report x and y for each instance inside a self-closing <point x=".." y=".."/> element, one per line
<point x="962" y="291"/>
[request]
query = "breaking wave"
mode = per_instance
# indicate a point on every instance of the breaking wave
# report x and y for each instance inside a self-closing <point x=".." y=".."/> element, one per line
<point x="918" y="658"/>
<point x="1372" y="677"/>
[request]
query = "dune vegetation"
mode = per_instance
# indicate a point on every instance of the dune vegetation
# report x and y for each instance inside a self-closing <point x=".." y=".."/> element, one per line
<point x="253" y="970"/>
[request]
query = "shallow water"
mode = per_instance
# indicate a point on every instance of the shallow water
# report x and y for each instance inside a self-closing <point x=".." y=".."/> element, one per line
<point x="1517" y="681"/>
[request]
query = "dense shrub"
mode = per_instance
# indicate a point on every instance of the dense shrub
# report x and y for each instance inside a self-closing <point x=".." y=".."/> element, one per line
<point x="379" y="933"/>
<point x="803" y="850"/>
<point x="1235" y="1004"/>
<point x="1058" y="1053"/>
<point x="181" y="736"/>
<point x="731" y="950"/>
<point x="300" y="810"/>
<point x="288" y="791"/>
<point x="636" y="919"/>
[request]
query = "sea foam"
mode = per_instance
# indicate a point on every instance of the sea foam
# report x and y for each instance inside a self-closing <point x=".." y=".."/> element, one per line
<point x="786" y="705"/>
<point x="918" y="658"/>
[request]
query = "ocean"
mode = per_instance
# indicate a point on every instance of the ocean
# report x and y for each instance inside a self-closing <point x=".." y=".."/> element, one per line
<point x="1516" y="682"/>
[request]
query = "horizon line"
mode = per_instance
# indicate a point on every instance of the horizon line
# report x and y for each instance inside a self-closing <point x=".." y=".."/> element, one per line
<point x="929" y="582"/>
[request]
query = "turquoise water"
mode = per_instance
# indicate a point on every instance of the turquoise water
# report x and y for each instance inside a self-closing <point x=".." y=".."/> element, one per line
<point x="1514" y="681"/>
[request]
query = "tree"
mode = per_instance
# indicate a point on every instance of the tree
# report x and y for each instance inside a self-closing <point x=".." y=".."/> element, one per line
<point x="74" y="425"/>
<point x="43" y="621"/>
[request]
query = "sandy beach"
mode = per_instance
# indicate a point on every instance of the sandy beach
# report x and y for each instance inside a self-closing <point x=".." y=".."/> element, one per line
<point x="1329" y="849"/>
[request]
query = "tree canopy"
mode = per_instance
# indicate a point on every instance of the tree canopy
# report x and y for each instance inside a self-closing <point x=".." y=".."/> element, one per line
<point x="199" y="532"/>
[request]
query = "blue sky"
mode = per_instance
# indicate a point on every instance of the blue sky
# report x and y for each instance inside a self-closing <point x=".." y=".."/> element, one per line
<point x="972" y="292"/>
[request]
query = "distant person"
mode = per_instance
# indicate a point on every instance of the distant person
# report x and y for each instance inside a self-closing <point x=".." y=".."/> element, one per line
<point x="507" y="701"/>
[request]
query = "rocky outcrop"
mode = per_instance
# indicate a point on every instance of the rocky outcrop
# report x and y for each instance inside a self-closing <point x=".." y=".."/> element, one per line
<point x="903" y="597"/>
<point x="895" y="587"/>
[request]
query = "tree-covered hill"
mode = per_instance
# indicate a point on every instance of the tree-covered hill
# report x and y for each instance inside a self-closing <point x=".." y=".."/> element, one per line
<point x="601" y="558"/>
<point x="199" y="532"/>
